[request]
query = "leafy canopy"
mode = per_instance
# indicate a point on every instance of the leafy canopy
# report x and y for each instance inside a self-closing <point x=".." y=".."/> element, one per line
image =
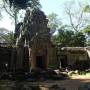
<point x="23" y="4"/>
<point x="69" y="38"/>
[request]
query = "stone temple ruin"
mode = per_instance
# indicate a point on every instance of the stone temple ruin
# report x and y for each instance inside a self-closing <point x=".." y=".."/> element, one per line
<point x="34" y="49"/>
<point x="33" y="45"/>
<point x="41" y="50"/>
<point x="39" y="37"/>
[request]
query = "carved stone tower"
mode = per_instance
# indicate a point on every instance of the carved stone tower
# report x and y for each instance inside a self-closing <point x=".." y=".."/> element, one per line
<point x="35" y="34"/>
<point x="39" y="35"/>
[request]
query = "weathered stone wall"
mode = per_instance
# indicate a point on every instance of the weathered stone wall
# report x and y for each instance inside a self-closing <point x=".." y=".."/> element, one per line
<point x="5" y="58"/>
<point x="75" y="56"/>
<point x="88" y="51"/>
<point x="8" y="59"/>
<point x="53" y="61"/>
<point x="70" y="56"/>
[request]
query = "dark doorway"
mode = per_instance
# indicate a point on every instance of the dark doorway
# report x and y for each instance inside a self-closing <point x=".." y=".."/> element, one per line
<point x="63" y="60"/>
<point x="40" y="62"/>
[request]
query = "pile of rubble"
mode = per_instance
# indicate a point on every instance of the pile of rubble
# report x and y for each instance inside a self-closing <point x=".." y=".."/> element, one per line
<point x="34" y="75"/>
<point x="27" y="86"/>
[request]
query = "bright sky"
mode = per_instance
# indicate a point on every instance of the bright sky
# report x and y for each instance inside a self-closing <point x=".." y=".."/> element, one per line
<point x="48" y="6"/>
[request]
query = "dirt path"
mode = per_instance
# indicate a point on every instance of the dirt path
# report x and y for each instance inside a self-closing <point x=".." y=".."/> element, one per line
<point x="72" y="84"/>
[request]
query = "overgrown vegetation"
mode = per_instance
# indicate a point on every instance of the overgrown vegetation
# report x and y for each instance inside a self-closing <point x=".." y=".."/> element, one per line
<point x="74" y="33"/>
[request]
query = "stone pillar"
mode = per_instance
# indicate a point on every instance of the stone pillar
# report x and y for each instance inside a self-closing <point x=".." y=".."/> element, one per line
<point x="20" y="57"/>
<point x="13" y="59"/>
<point x="88" y="51"/>
<point x="32" y="61"/>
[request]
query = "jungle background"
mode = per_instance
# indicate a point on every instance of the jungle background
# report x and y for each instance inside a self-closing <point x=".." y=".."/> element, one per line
<point x="73" y="29"/>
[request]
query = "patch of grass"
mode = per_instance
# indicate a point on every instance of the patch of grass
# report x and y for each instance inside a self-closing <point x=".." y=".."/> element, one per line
<point x="81" y="73"/>
<point x="88" y="74"/>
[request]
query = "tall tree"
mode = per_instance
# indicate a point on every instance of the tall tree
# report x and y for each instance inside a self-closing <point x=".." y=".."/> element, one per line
<point x="14" y="7"/>
<point x="0" y="10"/>
<point x="67" y="37"/>
<point x="53" y="22"/>
<point x="6" y="36"/>
<point x="77" y="17"/>
<point x="87" y="9"/>
<point x="86" y="30"/>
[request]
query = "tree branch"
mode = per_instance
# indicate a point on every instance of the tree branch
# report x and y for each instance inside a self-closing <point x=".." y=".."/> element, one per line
<point x="4" y="6"/>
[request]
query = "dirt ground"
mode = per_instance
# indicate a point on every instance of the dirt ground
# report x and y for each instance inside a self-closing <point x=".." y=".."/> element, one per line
<point x="71" y="84"/>
<point x="68" y="84"/>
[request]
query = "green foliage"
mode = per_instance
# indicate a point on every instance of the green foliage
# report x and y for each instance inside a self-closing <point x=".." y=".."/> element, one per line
<point x="88" y="42"/>
<point x="15" y="8"/>
<point x="86" y="30"/>
<point x="87" y="8"/>
<point x="78" y="39"/>
<point x="7" y="38"/>
<point x="18" y="3"/>
<point x="63" y="38"/>
<point x="53" y="22"/>
<point x="69" y="38"/>
<point x="23" y="4"/>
